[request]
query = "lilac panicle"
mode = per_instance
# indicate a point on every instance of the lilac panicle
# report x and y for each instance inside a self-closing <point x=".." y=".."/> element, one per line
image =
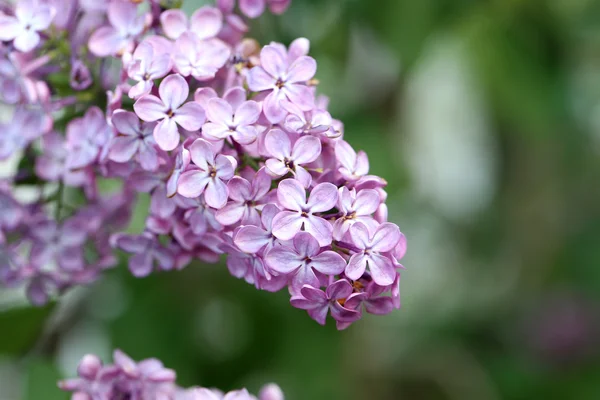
<point x="148" y="379"/>
<point x="239" y="156"/>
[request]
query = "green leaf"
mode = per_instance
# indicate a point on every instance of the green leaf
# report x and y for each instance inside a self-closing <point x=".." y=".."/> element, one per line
<point x="21" y="327"/>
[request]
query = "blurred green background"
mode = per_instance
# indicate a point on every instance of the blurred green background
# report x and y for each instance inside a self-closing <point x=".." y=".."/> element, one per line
<point x="484" y="117"/>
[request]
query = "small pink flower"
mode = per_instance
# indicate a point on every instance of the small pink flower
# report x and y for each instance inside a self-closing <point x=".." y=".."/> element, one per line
<point x="171" y="111"/>
<point x="373" y="248"/>
<point x="31" y="16"/>
<point x="319" y="303"/>
<point x="125" y="26"/>
<point x="232" y="117"/>
<point x="205" y="23"/>
<point x="282" y="76"/>
<point x="300" y="214"/>
<point x="199" y="58"/>
<point x="147" y="65"/>
<point x="299" y="262"/>
<point x="133" y="139"/>
<point x="286" y="158"/>
<point x="210" y="177"/>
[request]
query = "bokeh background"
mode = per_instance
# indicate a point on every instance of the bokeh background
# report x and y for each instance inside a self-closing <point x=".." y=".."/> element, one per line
<point x="484" y="117"/>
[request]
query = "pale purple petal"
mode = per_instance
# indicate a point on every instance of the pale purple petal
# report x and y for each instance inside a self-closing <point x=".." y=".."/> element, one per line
<point x="386" y="237"/>
<point x="306" y="245"/>
<point x="216" y="193"/>
<point x="202" y="154"/>
<point x="239" y="189"/>
<point x="190" y="116"/>
<point x="323" y="197"/>
<point x="105" y="41"/>
<point x="192" y="183"/>
<point x="283" y="260"/>
<point x="123" y="148"/>
<point x="174" y="23"/>
<point x="360" y="235"/>
<point x="356" y="266"/>
<point x="259" y="80"/>
<point x="366" y="202"/>
<point x="218" y="110"/>
<point x="247" y="113"/>
<point x="276" y="167"/>
<point x="339" y="290"/>
<point x="272" y="107"/>
<point x="206" y="22"/>
<point x="215" y="131"/>
<point x="173" y="91"/>
<point x="252" y="8"/>
<point x="150" y="108"/>
<point x="287" y="224"/>
<point x="382" y="269"/>
<point x="306" y="150"/>
<point x="10" y="27"/>
<point x="301" y="70"/>
<point x="300" y="95"/>
<point x="291" y="194"/>
<point x="329" y="263"/>
<point x="27" y="41"/>
<point x="126" y="123"/>
<point x="278" y="144"/>
<point x="166" y="134"/>
<point x="231" y="213"/>
<point x="245" y="134"/>
<point x="274" y="60"/>
<point x="251" y="239"/>
<point x="320" y="229"/>
<point x="225" y="166"/>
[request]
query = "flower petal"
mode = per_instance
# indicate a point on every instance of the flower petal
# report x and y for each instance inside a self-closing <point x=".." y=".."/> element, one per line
<point x="218" y="110"/>
<point x="339" y="290"/>
<point x="202" y="154"/>
<point x="323" y="197"/>
<point x="251" y="239"/>
<point x="126" y="123"/>
<point x="247" y="113"/>
<point x="291" y="194"/>
<point x="123" y="148"/>
<point x="386" y="237"/>
<point x="306" y="245"/>
<point x="356" y="266"/>
<point x="283" y="260"/>
<point x="258" y="80"/>
<point x="192" y="183"/>
<point x="382" y="269"/>
<point x="150" y="108"/>
<point x="206" y="22"/>
<point x="173" y="91"/>
<point x="216" y="193"/>
<point x="174" y="23"/>
<point x="329" y="263"/>
<point x="301" y="70"/>
<point x="166" y="134"/>
<point x="278" y="144"/>
<point x="306" y="150"/>
<point x="287" y="224"/>
<point x="320" y="229"/>
<point x="190" y="116"/>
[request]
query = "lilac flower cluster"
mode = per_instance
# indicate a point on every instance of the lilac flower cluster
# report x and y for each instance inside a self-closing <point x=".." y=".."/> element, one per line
<point x="144" y="380"/>
<point x="238" y="154"/>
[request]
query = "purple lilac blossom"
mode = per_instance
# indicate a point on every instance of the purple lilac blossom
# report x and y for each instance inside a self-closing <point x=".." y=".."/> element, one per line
<point x="252" y="167"/>
<point x="144" y="380"/>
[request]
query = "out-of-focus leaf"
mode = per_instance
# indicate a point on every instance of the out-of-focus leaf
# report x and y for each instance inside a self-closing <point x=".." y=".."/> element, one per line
<point x="42" y="377"/>
<point x="21" y="327"/>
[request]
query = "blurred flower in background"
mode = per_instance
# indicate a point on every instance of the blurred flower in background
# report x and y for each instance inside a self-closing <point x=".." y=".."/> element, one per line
<point x="484" y="118"/>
